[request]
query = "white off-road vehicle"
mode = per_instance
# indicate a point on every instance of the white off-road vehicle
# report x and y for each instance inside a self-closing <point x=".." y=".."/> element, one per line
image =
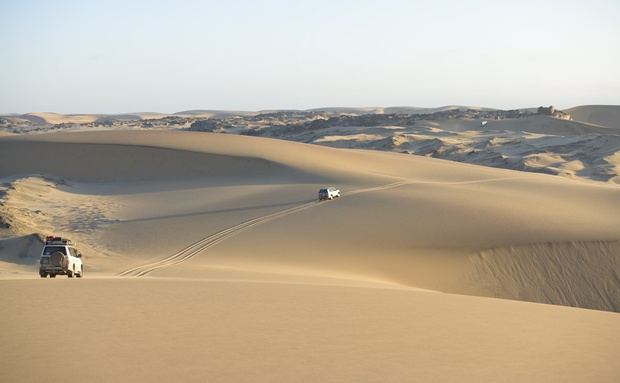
<point x="328" y="193"/>
<point x="60" y="257"/>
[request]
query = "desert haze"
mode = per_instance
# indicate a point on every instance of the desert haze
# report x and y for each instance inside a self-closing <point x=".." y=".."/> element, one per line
<point x="209" y="258"/>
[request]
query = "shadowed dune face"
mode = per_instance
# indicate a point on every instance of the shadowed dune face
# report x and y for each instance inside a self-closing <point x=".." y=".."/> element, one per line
<point x="577" y="274"/>
<point x="126" y="163"/>
<point x="124" y="156"/>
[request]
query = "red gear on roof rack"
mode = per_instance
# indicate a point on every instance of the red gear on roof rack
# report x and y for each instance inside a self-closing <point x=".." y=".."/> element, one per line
<point x="53" y="240"/>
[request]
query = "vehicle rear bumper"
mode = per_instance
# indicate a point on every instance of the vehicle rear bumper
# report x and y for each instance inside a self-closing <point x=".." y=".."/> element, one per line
<point x="52" y="270"/>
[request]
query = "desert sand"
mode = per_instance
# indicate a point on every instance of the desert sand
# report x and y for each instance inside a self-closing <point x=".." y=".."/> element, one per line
<point x="209" y="258"/>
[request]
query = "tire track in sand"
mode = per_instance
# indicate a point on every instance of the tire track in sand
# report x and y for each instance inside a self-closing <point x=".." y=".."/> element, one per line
<point x="197" y="247"/>
<point x="194" y="249"/>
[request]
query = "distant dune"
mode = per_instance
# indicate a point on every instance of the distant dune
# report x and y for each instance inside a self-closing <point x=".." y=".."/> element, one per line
<point x="603" y="115"/>
<point x="209" y="257"/>
<point x="55" y="118"/>
<point x="585" y="147"/>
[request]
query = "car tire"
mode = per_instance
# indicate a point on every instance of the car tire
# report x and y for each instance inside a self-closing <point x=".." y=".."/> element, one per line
<point x="58" y="258"/>
<point x="70" y="273"/>
<point x="43" y="275"/>
<point x="52" y="275"/>
<point x="79" y="275"/>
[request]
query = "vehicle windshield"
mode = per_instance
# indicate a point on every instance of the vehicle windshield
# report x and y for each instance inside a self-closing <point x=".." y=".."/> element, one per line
<point x="49" y="250"/>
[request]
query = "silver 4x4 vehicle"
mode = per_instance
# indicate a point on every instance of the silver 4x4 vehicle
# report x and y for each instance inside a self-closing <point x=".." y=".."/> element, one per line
<point x="328" y="193"/>
<point x="60" y="257"/>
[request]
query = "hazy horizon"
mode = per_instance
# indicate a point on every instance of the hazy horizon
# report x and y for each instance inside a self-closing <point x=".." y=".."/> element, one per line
<point x="125" y="57"/>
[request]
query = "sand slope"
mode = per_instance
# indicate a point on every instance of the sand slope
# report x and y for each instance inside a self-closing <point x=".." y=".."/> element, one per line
<point x="208" y="257"/>
<point x="603" y="115"/>
<point x="187" y="330"/>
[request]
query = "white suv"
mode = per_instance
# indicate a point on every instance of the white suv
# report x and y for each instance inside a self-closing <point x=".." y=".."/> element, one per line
<point x="59" y="257"/>
<point x="328" y="193"/>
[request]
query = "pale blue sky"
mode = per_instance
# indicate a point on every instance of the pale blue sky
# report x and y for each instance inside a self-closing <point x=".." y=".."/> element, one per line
<point x="114" y="56"/>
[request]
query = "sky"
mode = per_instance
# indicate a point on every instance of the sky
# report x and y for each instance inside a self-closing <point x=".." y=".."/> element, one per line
<point x="125" y="56"/>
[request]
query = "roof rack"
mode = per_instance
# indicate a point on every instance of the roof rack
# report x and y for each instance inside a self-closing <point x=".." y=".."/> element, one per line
<point x="52" y="240"/>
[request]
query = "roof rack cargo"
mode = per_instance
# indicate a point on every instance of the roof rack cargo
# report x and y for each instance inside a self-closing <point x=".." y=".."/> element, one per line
<point x="53" y="240"/>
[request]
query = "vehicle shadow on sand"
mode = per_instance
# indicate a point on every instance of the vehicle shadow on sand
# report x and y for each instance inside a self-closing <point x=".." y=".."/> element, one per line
<point x="217" y="211"/>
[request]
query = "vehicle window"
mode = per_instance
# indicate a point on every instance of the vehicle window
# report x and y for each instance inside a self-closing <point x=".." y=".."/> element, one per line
<point x="73" y="252"/>
<point x="49" y="250"/>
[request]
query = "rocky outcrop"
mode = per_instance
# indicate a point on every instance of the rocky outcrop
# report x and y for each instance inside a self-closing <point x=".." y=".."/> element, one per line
<point x="553" y="112"/>
<point x="272" y="123"/>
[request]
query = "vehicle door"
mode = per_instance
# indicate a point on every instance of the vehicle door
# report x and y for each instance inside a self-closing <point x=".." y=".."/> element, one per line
<point x="73" y="264"/>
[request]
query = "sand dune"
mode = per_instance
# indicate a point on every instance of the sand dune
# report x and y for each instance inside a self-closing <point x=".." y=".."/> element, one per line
<point x="57" y="118"/>
<point x="582" y="148"/>
<point x="230" y="330"/>
<point x="579" y="274"/>
<point x="571" y="149"/>
<point x="603" y="115"/>
<point x="136" y="182"/>
<point x="394" y="109"/>
<point x="208" y="257"/>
